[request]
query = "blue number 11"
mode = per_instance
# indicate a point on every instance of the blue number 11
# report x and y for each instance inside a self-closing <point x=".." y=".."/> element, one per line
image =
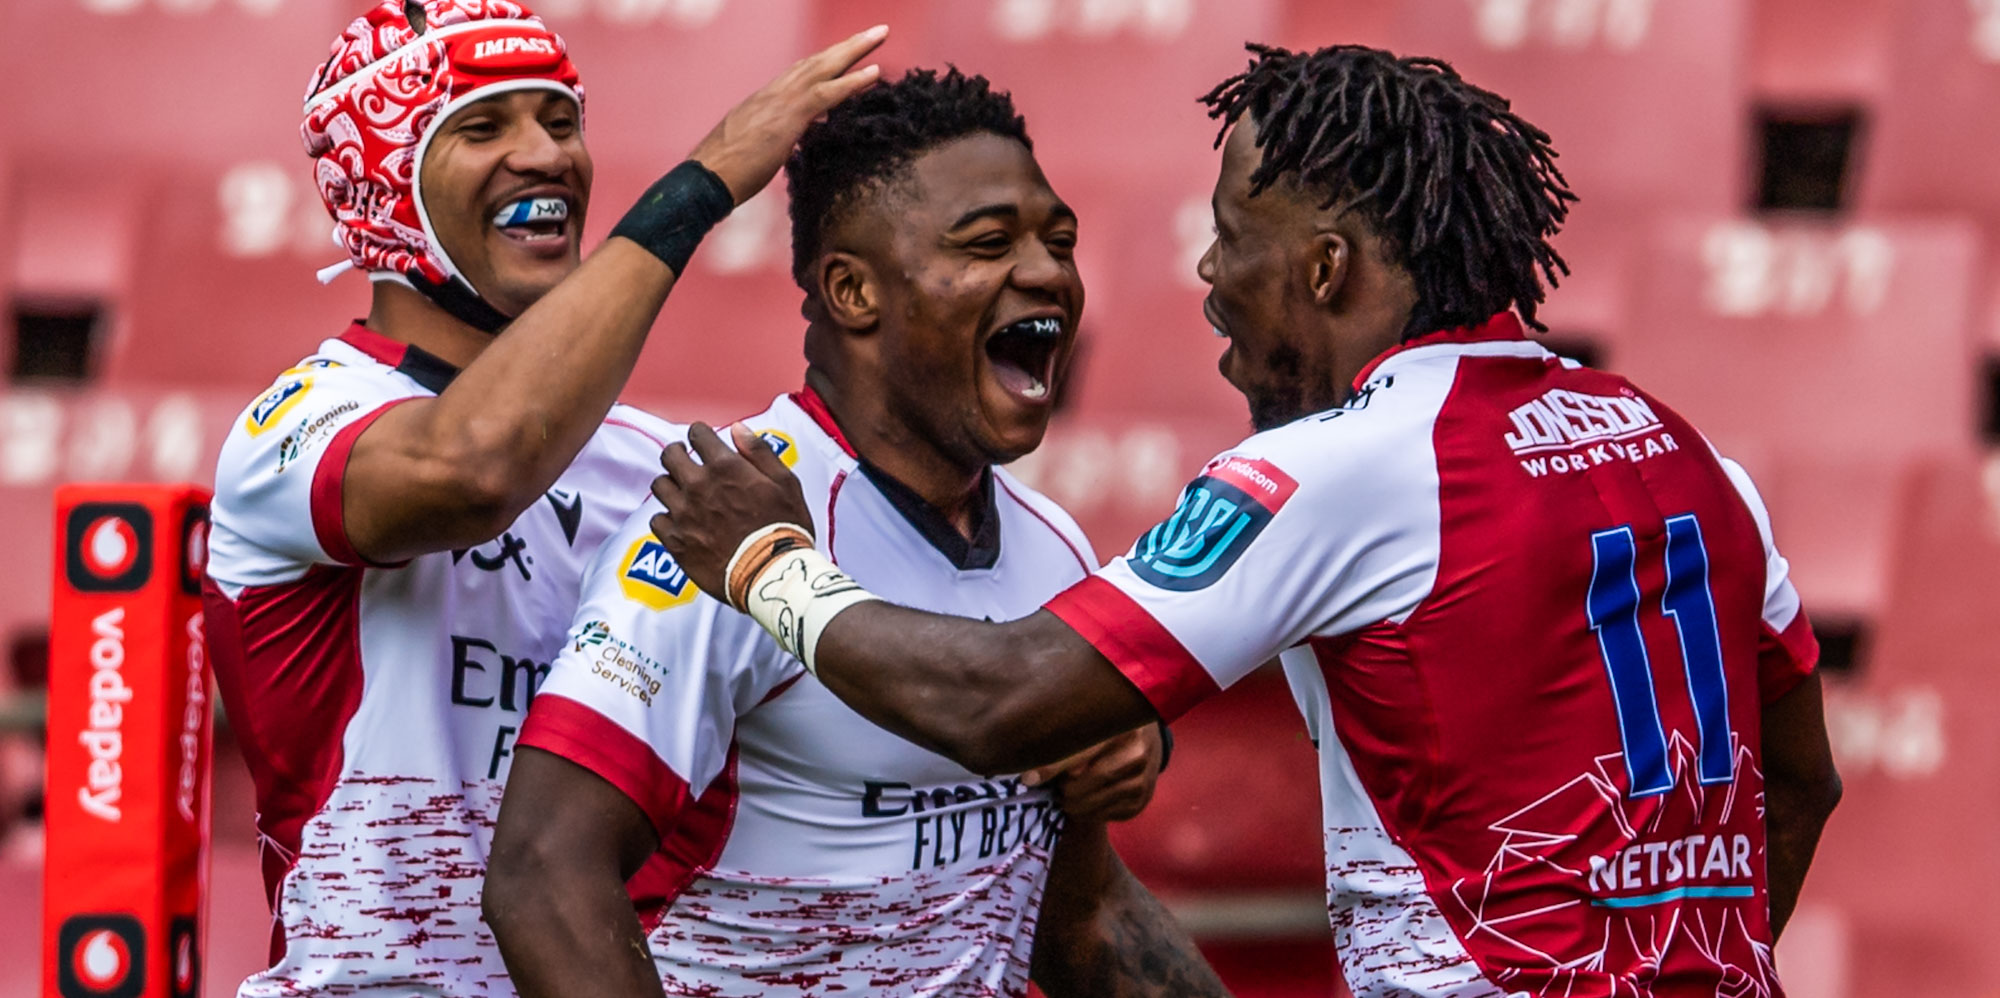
<point x="1614" y="616"/>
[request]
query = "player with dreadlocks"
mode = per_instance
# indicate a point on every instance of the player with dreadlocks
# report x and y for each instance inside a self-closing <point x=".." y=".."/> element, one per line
<point x="1570" y="735"/>
<point x="808" y="851"/>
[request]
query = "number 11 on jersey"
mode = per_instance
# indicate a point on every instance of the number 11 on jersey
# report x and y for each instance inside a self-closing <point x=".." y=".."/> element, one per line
<point x="1613" y="607"/>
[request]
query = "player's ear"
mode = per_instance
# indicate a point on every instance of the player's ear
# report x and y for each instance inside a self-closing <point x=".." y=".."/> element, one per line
<point x="848" y="291"/>
<point x="1327" y="265"/>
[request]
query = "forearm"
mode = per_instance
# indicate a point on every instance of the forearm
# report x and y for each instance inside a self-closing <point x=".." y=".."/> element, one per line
<point x="1103" y="934"/>
<point x="1794" y="820"/>
<point x="565" y="933"/>
<point x="996" y="698"/>
<point x="529" y="403"/>
<point x="1801" y="789"/>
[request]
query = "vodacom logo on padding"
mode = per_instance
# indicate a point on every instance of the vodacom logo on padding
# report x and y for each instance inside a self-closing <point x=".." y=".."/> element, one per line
<point x="102" y="960"/>
<point x="110" y="546"/>
<point x="102" y="956"/>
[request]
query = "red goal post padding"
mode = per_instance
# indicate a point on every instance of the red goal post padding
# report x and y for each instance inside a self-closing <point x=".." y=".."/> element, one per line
<point x="129" y="749"/>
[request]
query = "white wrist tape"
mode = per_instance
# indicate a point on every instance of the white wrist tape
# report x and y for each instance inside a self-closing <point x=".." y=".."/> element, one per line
<point x="797" y="595"/>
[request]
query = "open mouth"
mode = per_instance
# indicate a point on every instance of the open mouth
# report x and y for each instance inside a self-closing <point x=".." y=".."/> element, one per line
<point x="534" y="220"/>
<point x="1023" y="356"/>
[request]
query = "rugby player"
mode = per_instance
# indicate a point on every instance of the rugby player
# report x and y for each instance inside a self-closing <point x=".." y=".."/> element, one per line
<point x="401" y="522"/>
<point x="813" y="852"/>
<point x="1571" y="738"/>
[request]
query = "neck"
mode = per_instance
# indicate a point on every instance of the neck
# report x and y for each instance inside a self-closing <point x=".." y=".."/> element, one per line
<point x="399" y="312"/>
<point x="881" y="439"/>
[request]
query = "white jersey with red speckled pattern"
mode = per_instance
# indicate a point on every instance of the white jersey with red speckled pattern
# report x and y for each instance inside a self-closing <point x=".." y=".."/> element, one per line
<point x="377" y="705"/>
<point x="812" y="852"/>
<point x="1532" y="620"/>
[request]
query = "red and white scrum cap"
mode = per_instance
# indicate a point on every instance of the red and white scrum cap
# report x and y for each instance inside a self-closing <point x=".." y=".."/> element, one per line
<point x="373" y="106"/>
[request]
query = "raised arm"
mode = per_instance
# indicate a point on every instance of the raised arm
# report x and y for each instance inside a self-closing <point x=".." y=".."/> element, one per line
<point x="555" y="884"/>
<point x="449" y="472"/>
<point x="996" y="698"/>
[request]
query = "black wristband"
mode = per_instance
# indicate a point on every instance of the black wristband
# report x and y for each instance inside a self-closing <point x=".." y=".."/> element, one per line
<point x="674" y="213"/>
<point x="1166" y="745"/>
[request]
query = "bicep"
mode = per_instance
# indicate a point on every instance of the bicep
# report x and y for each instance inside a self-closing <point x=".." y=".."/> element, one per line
<point x="404" y="491"/>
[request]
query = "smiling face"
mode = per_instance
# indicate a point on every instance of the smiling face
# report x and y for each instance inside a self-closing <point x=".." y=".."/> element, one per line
<point x="505" y="183"/>
<point x="1260" y="296"/>
<point x="975" y="296"/>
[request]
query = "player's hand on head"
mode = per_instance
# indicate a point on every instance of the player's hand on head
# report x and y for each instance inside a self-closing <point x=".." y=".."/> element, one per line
<point x="715" y="497"/>
<point x="1110" y="781"/>
<point x="753" y="140"/>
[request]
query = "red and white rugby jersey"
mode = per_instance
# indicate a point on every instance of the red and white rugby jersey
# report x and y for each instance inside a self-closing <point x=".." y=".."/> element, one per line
<point x="811" y="852"/>
<point x="377" y="705"/>
<point x="1532" y="619"/>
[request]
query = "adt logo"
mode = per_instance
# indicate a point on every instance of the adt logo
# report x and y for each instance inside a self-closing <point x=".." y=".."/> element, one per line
<point x="275" y="404"/>
<point x="101" y="956"/>
<point x="649" y="576"/>
<point x="1219" y="514"/>
<point x="108" y="547"/>
<point x="782" y="445"/>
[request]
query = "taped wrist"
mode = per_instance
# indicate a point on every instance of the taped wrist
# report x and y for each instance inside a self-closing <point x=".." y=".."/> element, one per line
<point x="672" y="216"/>
<point x="795" y="594"/>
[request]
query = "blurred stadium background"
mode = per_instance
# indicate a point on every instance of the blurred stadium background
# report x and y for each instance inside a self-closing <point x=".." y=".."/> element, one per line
<point x="1789" y="222"/>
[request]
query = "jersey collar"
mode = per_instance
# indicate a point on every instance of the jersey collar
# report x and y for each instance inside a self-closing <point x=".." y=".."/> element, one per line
<point x="419" y="365"/>
<point x="1503" y="326"/>
<point x="982" y="551"/>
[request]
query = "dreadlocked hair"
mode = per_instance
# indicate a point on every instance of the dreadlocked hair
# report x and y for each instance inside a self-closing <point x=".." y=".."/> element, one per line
<point x="1465" y="192"/>
<point x="868" y="141"/>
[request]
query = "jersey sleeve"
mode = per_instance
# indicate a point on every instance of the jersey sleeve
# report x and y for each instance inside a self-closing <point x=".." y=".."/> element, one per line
<point x="279" y="477"/>
<point x="1788" y="651"/>
<point x="648" y="686"/>
<point x="1274" y="542"/>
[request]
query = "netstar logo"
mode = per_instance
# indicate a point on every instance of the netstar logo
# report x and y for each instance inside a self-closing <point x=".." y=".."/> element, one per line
<point x="104" y="738"/>
<point x="1561" y="419"/>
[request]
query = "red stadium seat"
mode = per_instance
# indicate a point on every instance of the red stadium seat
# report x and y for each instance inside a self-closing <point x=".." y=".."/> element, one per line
<point x="1104" y="85"/>
<point x="223" y="289"/>
<point x="133" y="82"/>
<point x="1812" y="51"/>
<point x="1644" y="99"/>
<point x="1820" y="340"/>
<point x="1917" y="750"/>
<point x="1836" y="521"/>
<point x="1928" y="140"/>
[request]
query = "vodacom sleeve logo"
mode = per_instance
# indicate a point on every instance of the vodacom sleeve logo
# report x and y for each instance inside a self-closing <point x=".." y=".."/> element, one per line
<point x="108" y="547"/>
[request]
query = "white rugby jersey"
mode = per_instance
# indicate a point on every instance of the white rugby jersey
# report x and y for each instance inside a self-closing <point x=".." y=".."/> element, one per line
<point x="377" y="705"/>
<point x="1531" y="620"/>
<point x="812" y="852"/>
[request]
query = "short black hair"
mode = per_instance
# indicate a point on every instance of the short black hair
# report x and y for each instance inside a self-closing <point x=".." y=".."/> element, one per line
<point x="1465" y="191"/>
<point x="869" y="140"/>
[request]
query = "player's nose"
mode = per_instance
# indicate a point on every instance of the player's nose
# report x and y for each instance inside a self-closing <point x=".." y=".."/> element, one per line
<point x="536" y="151"/>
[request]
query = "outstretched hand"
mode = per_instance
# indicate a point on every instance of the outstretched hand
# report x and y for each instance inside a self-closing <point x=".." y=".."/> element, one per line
<point x="746" y="148"/>
<point x="714" y="504"/>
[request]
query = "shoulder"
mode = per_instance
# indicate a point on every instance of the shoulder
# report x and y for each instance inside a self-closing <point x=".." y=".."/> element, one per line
<point x="310" y="401"/>
<point x="1380" y="438"/>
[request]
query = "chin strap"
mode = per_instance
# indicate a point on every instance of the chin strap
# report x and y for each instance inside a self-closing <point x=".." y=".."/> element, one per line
<point x="457" y="297"/>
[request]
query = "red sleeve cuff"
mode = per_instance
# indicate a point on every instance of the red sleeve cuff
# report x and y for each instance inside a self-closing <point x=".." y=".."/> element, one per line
<point x="569" y="729"/>
<point x="329" y="476"/>
<point x="1784" y="658"/>
<point x="1169" y="676"/>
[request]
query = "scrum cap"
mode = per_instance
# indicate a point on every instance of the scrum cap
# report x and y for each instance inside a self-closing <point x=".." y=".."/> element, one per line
<point x="394" y="75"/>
